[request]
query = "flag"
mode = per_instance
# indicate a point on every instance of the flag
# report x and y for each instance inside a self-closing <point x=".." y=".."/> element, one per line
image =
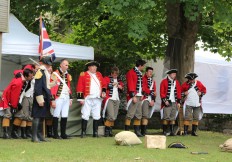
<point x="45" y="44"/>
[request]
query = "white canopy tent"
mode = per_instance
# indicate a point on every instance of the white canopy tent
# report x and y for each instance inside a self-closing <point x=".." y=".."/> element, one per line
<point x="215" y="73"/>
<point x="19" y="45"/>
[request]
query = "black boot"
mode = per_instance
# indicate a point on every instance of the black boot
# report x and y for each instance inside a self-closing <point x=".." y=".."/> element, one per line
<point x="194" y="130"/>
<point x="28" y="132"/>
<point x="49" y="131"/>
<point x="14" y="132"/>
<point x="137" y="131"/>
<point x="5" y="133"/>
<point x="95" y="128"/>
<point x="185" y="130"/>
<point x="107" y="131"/>
<point x="35" y="126"/>
<point x="143" y="130"/>
<point x="23" y="133"/>
<point x="127" y="127"/>
<point x="110" y="132"/>
<point x="63" y="124"/>
<point x="40" y="131"/>
<point x="165" y="130"/>
<point x="55" y="128"/>
<point x="172" y="130"/>
<point x="83" y="127"/>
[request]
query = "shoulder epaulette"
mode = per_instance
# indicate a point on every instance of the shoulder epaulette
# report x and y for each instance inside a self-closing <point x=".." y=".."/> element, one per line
<point x="53" y="76"/>
<point x="82" y="73"/>
<point x="38" y="74"/>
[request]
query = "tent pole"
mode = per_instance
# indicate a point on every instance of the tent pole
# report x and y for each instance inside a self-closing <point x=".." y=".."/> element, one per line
<point x="0" y="54"/>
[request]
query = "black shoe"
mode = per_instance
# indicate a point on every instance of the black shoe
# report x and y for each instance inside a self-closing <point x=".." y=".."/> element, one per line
<point x="63" y="124"/>
<point x="143" y="130"/>
<point x="127" y="127"/>
<point x="172" y="130"/>
<point x="137" y="131"/>
<point x="83" y="127"/>
<point x="95" y="128"/>
<point x="165" y="130"/>
<point x="194" y="130"/>
<point x="5" y="133"/>
<point x="185" y="130"/>
<point x="28" y="132"/>
<point x="55" y="128"/>
<point x="35" y="127"/>
<point x="49" y="131"/>
<point x="110" y="132"/>
<point x="14" y="133"/>
<point x="107" y="131"/>
<point x="23" y="133"/>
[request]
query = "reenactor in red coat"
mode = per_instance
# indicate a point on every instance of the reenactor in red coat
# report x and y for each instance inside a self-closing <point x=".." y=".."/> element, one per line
<point x="90" y="91"/>
<point x="170" y="94"/>
<point x="192" y="90"/>
<point x="149" y="93"/>
<point x="134" y="96"/>
<point x="111" y="102"/>
<point x="63" y="98"/>
<point x="10" y="99"/>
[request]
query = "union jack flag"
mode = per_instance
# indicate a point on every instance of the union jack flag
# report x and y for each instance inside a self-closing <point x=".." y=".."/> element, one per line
<point x="45" y="45"/>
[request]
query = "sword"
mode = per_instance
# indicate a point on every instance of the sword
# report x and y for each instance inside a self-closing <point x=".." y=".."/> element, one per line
<point x="34" y="61"/>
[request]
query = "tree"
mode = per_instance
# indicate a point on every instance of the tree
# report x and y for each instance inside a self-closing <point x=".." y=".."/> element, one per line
<point x="133" y="28"/>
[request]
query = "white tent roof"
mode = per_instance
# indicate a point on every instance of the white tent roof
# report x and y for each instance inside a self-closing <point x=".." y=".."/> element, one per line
<point x="19" y="43"/>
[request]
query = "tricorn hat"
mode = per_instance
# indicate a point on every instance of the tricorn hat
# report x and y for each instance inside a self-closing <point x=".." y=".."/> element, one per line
<point x="191" y="76"/>
<point x="46" y="60"/>
<point x="92" y="63"/>
<point x="171" y="71"/>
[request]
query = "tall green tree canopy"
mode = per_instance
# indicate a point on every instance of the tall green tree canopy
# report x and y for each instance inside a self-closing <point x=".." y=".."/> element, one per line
<point x="122" y="31"/>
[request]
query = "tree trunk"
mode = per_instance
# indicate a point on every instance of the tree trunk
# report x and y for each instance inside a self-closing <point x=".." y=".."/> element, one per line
<point x="182" y="35"/>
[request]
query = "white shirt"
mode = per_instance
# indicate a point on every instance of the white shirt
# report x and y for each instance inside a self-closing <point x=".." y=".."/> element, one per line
<point x="192" y="97"/>
<point x="115" y="95"/>
<point x="94" y="86"/>
<point x="172" y="92"/>
<point x="30" y="91"/>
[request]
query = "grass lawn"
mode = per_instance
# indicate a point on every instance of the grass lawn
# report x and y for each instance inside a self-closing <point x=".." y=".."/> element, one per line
<point x="104" y="149"/>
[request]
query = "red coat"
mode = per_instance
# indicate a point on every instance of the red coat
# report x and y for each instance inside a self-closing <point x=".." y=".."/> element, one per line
<point x="164" y="91"/>
<point x="146" y="90"/>
<point x="83" y="84"/>
<point x="11" y="94"/>
<point x="54" y="90"/>
<point x="109" y="87"/>
<point x="131" y="78"/>
<point x="185" y="87"/>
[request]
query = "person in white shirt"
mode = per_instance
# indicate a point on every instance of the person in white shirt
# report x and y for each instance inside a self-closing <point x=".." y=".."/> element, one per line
<point x="90" y="91"/>
<point x="111" y="102"/>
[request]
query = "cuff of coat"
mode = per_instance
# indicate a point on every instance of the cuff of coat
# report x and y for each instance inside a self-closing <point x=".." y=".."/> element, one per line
<point x="132" y="94"/>
<point x="104" y="90"/>
<point x="80" y="95"/>
<point x="153" y="98"/>
<point x="40" y="99"/>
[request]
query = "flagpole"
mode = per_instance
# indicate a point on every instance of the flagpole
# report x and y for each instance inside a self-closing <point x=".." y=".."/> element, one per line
<point x="41" y="35"/>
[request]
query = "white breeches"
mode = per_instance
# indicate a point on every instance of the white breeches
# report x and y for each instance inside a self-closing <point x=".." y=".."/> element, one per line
<point x="92" y="106"/>
<point x="62" y="107"/>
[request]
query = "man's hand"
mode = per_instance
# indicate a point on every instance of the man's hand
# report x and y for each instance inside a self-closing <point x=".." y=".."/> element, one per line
<point x="178" y="106"/>
<point x="152" y="103"/>
<point x="134" y="99"/>
<point x="199" y="93"/>
<point x="119" y="86"/>
<point x="41" y="104"/>
<point x="166" y="103"/>
<point x="186" y="93"/>
<point x="53" y="104"/>
<point x="103" y="94"/>
<point x="70" y="102"/>
<point x="82" y="102"/>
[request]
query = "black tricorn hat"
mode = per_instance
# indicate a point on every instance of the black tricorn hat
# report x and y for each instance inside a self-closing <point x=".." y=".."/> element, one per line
<point x="46" y="60"/>
<point x="191" y="76"/>
<point x="171" y="71"/>
<point x="92" y="63"/>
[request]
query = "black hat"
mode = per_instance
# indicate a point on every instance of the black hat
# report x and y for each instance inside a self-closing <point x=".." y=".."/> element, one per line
<point x="46" y="60"/>
<point x="191" y="76"/>
<point x="92" y="63"/>
<point x="171" y="71"/>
